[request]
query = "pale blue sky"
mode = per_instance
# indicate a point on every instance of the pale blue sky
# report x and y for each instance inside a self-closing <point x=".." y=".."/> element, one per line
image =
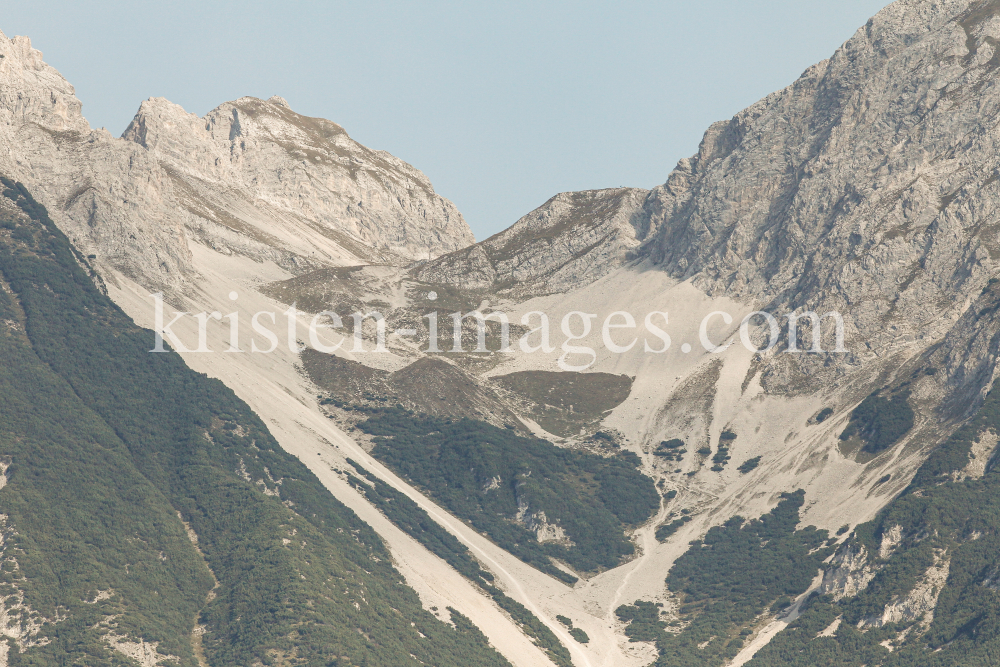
<point x="502" y="105"/>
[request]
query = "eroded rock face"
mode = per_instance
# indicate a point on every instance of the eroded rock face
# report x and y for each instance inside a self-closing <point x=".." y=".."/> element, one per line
<point x="869" y="186"/>
<point x="919" y="603"/>
<point x="110" y="198"/>
<point x="304" y="167"/>
<point x="573" y="239"/>
<point x="251" y="178"/>
<point x="851" y="572"/>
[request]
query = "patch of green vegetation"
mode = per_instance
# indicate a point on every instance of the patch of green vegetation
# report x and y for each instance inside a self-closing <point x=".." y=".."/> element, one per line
<point x="499" y="481"/>
<point x="727" y="580"/>
<point x="112" y="449"/>
<point x="749" y="464"/>
<point x="643" y="619"/>
<point x="606" y="437"/>
<point x="722" y="456"/>
<point x="671" y="450"/>
<point x="428" y="385"/>
<point x="576" y="633"/>
<point x="664" y="532"/>
<point x="823" y="415"/>
<point x="881" y="422"/>
<point x="782" y="603"/>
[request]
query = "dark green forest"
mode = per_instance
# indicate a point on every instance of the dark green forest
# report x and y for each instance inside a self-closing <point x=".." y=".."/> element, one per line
<point x="881" y="421"/>
<point x="111" y="450"/>
<point x="488" y="475"/>
<point x="725" y="581"/>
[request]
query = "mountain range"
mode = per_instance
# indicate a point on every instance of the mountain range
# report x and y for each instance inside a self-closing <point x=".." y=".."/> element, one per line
<point x="717" y="493"/>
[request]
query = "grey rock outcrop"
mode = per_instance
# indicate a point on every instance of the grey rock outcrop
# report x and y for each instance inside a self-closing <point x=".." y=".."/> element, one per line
<point x="251" y="178"/>
<point x="573" y="239"/>
<point x="307" y="168"/>
<point x="869" y="186"/>
<point x="850" y="573"/>
<point x="110" y="198"/>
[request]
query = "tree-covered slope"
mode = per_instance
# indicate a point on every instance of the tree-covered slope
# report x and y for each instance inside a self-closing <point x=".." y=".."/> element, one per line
<point x="726" y="581"/>
<point x="415" y="522"/>
<point x="143" y="501"/>
<point x="532" y="498"/>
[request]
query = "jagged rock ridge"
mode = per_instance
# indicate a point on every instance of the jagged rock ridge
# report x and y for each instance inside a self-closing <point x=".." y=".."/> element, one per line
<point x="305" y="167"/>
<point x="252" y="178"/>
<point x="870" y="185"/>
<point x="572" y="239"/>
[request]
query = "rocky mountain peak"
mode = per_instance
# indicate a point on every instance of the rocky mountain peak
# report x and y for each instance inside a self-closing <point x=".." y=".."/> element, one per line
<point x="251" y="178"/>
<point x="869" y="185"/>
<point x="572" y="239"/>
<point x="33" y="91"/>
<point x="155" y="114"/>
<point x="305" y="167"/>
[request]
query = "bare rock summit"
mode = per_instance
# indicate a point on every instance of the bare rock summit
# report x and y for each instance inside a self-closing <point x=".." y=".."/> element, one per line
<point x="252" y="178"/>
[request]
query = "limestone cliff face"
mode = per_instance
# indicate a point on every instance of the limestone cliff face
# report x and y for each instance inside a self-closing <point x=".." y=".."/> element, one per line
<point x="251" y="178"/>
<point x="869" y="185"/>
<point x="308" y="168"/>
<point x="109" y="197"/>
<point x="571" y="240"/>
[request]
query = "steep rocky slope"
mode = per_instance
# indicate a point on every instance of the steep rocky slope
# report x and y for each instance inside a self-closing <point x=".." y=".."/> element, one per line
<point x="252" y="177"/>
<point x="571" y="240"/>
<point x="868" y="186"/>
